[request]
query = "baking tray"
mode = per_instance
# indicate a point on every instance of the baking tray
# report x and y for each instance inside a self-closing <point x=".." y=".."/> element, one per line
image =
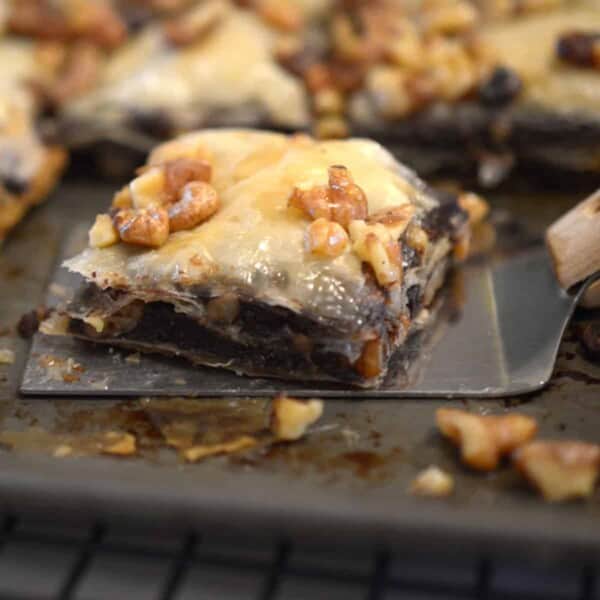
<point x="347" y="481"/>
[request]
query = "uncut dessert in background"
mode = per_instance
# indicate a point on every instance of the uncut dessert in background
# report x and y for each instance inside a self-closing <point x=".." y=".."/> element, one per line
<point x="269" y="255"/>
<point x="50" y="52"/>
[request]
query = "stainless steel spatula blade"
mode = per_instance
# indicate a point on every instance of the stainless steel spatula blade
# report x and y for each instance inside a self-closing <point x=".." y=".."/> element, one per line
<point x="500" y="340"/>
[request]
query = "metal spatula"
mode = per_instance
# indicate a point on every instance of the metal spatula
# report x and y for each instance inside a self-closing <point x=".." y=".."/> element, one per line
<point x="500" y="340"/>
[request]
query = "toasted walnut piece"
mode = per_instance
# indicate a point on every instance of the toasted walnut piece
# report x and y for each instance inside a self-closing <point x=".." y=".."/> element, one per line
<point x="451" y="18"/>
<point x="388" y="86"/>
<point x="475" y="206"/>
<point x="331" y="127"/>
<point x="433" y="482"/>
<point x="462" y="245"/>
<point x="143" y="226"/>
<point x="395" y="219"/>
<point x="196" y="453"/>
<point x="194" y="24"/>
<point x="452" y="68"/>
<point x="416" y="238"/>
<point x="223" y="309"/>
<point x="559" y="470"/>
<point x="79" y="74"/>
<point x="282" y="14"/>
<point x="291" y="417"/>
<point x="314" y="202"/>
<point x="183" y="147"/>
<point x="328" y="101"/>
<point x="317" y="78"/>
<point x="198" y="201"/>
<point x="121" y="444"/>
<point x="180" y="171"/>
<point x="123" y="199"/>
<point x="406" y="50"/>
<point x="103" y="233"/>
<point x="326" y="238"/>
<point x="348" y="201"/>
<point x="484" y="439"/>
<point x="375" y="246"/>
<point x="370" y="362"/>
<point x="7" y="357"/>
<point x="148" y="188"/>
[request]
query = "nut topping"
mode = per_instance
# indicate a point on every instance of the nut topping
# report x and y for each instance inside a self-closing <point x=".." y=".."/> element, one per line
<point x="484" y="439"/>
<point x="147" y="189"/>
<point x="198" y="202"/>
<point x="375" y="245"/>
<point x="291" y="417"/>
<point x="326" y="238"/>
<point x="143" y="226"/>
<point x="103" y="232"/>
<point x="559" y="470"/>
<point x="180" y="171"/>
<point x="475" y="206"/>
<point x="341" y="201"/>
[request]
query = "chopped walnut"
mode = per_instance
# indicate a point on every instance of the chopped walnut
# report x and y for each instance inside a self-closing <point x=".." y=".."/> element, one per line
<point x="198" y="201"/>
<point x="559" y="470"/>
<point x="375" y="245"/>
<point x="326" y="238"/>
<point x="331" y="127"/>
<point x="328" y="101"/>
<point x="370" y="362"/>
<point x="417" y="238"/>
<point x="282" y="14"/>
<point x="147" y="189"/>
<point x="121" y="444"/>
<point x="103" y="232"/>
<point x="182" y="170"/>
<point x="194" y="24"/>
<point x="143" y="226"/>
<point x="433" y="482"/>
<point x="395" y="219"/>
<point x="196" y="453"/>
<point x="475" y="206"/>
<point x="122" y="199"/>
<point x="291" y="417"/>
<point x="484" y="439"/>
<point x="7" y="357"/>
<point x="451" y="17"/>
<point x="341" y="200"/>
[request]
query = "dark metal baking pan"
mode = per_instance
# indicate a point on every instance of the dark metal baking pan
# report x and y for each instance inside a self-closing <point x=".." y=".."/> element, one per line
<point x="347" y="481"/>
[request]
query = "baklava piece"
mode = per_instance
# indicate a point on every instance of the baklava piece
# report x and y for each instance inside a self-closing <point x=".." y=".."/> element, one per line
<point x="269" y="255"/>
<point x="29" y="167"/>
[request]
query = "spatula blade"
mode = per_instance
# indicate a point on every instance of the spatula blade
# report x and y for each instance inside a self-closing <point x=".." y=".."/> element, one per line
<point x="500" y="339"/>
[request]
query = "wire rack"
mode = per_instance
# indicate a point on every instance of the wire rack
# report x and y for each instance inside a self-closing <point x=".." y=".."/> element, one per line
<point x="40" y="560"/>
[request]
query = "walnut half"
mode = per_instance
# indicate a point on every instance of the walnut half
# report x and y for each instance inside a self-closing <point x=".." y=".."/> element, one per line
<point x="560" y="470"/>
<point x="291" y="417"/>
<point x="484" y="439"/>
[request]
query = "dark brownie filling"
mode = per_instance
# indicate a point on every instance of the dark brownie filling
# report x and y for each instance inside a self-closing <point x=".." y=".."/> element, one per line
<point x="160" y="325"/>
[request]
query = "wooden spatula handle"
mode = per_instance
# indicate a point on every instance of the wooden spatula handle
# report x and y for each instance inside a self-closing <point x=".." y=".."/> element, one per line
<point x="574" y="243"/>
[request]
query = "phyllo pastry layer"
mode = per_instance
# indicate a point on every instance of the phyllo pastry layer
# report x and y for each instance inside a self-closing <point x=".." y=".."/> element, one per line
<point x="267" y="254"/>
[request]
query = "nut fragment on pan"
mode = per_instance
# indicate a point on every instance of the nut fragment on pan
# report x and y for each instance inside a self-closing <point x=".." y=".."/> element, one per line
<point x="196" y="453"/>
<point x="290" y="417"/>
<point x="484" y="439"/>
<point x="269" y="255"/>
<point x="432" y="481"/>
<point x="560" y="470"/>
